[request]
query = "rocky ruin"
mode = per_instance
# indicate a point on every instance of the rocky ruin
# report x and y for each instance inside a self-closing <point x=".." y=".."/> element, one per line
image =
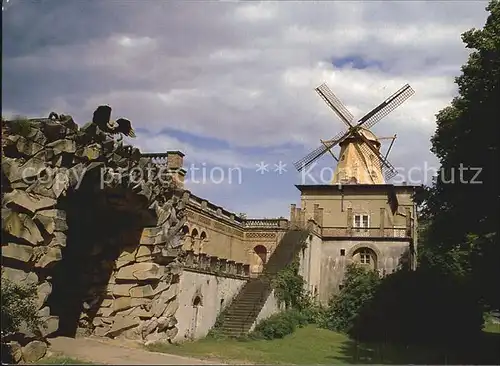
<point x="96" y="226"/>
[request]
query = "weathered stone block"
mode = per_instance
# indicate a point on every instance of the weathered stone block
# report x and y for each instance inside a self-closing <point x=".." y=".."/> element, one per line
<point x="106" y="303"/>
<point x="102" y="331"/>
<point x="27" y="147"/>
<point x="28" y="172"/>
<point x="18" y="252"/>
<point x="58" y="240"/>
<point x="21" y="226"/>
<point x="171" y="308"/>
<point x="141" y="313"/>
<point x="16" y="351"/>
<point x="52" y="220"/>
<point x="143" y="251"/>
<point x="148" y="290"/>
<point x="34" y="351"/>
<point x="140" y="271"/>
<point x="90" y="152"/>
<point x="52" y="256"/>
<point x="121" y="289"/>
<point x="43" y="291"/>
<point x="121" y="324"/>
<point x="123" y="303"/>
<point x="161" y="303"/>
<point x="63" y="145"/>
<point x="152" y="236"/>
<point x="165" y="323"/>
<point x="19" y="276"/>
<point x="49" y="325"/>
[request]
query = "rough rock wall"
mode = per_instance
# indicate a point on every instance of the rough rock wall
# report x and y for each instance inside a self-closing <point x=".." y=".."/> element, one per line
<point x="44" y="161"/>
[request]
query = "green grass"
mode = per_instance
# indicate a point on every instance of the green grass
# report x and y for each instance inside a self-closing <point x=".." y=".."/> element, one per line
<point x="61" y="360"/>
<point x="308" y="345"/>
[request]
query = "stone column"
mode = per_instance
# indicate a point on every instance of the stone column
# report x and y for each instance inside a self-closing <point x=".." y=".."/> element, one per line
<point x="239" y="268"/>
<point x="203" y="261"/>
<point x="190" y="258"/>
<point x="382" y="221"/>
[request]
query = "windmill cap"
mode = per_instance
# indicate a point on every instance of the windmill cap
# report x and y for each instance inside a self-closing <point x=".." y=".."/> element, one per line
<point x="366" y="133"/>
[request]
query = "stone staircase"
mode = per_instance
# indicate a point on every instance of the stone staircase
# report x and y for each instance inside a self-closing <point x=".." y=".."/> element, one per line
<point x="238" y="317"/>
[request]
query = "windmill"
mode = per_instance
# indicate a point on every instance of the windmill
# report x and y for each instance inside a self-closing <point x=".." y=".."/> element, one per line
<point x="360" y="159"/>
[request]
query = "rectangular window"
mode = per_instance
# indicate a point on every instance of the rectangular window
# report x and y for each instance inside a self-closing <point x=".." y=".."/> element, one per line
<point x="342" y="252"/>
<point x="364" y="258"/>
<point x="361" y="222"/>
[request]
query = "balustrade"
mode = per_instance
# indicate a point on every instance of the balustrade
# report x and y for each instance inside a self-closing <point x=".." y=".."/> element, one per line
<point x="366" y="232"/>
<point x="214" y="264"/>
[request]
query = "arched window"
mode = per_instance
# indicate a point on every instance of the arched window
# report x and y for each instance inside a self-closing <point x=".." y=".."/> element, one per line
<point x="194" y="236"/>
<point x="365" y="256"/>
<point x="203" y="239"/>
<point x="197" y="302"/>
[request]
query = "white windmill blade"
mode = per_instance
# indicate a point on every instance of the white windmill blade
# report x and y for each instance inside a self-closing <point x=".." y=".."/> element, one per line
<point x="335" y="104"/>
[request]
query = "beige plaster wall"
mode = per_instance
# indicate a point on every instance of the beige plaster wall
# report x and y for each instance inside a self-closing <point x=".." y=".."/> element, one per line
<point x="211" y="289"/>
<point x="333" y="265"/>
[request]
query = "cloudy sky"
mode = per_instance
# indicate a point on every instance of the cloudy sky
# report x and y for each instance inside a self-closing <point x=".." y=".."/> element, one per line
<point x="232" y="83"/>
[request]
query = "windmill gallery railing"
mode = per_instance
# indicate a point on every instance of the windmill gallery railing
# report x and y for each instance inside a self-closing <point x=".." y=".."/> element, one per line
<point x="372" y="232"/>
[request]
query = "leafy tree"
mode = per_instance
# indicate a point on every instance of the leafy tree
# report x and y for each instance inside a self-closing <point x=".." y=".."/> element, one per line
<point x="289" y="286"/>
<point x="359" y="288"/>
<point x="462" y="214"/>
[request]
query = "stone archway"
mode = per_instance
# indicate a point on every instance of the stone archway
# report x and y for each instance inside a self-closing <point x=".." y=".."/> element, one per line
<point x="259" y="259"/>
<point x="103" y="236"/>
<point x="74" y="198"/>
<point x="366" y="257"/>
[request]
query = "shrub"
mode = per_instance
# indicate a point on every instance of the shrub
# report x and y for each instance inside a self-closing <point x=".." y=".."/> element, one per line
<point x="281" y="324"/>
<point x="20" y="126"/>
<point x="289" y="286"/>
<point x="421" y="307"/>
<point x="18" y="307"/>
<point x="360" y="285"/>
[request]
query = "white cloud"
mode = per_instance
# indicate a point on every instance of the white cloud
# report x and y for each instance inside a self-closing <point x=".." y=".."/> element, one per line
<point x="243" y="73"/>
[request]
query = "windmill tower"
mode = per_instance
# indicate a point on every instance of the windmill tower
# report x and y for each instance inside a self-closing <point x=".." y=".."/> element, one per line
<point x="360" y="160"/>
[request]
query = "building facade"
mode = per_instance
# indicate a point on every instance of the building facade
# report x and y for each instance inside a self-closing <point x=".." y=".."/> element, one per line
<point x="372" y="224"/>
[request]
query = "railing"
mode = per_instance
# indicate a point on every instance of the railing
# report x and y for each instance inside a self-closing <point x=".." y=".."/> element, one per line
<point x="371" y="232"/>
<point x="265" y="223"/>
<point x="156" y="158"/>
<point x="216" y="265"/>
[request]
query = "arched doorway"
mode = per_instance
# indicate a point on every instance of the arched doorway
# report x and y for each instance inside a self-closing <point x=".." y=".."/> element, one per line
<point x="366" y="257"/>
<point x="259" y="258"/>
<point x="195" y="318"/>
<point x="103" y="224"/>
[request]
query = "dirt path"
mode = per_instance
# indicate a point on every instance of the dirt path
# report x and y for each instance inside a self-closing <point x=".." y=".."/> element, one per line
<point x="112" y="352"/>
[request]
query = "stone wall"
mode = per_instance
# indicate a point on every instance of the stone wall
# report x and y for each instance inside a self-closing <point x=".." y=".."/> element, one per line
<point x="203" y="296"/>
<point x="45" y="164"/>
